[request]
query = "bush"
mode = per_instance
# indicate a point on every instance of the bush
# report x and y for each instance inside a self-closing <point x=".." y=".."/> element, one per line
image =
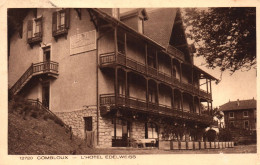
<point x="225" y="135"/>
<point x="211" y="135"/>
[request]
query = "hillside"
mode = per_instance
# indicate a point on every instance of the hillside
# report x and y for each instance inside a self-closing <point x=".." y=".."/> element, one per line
<point x="33" y="133"/>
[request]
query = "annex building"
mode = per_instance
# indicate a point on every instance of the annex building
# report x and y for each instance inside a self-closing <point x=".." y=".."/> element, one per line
<point x="240" y="118"/>
<point x="121" y="76"/>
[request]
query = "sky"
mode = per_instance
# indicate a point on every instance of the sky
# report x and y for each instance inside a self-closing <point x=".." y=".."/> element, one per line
<point x="240" y="85"/>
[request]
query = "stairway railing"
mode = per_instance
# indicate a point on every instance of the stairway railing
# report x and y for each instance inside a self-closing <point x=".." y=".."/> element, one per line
<point x="39" y="105"/>
<point x="48" y="66"/>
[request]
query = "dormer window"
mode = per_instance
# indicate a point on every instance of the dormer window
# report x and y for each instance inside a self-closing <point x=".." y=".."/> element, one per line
<point x="34" y="31"/>
<point x="60" y="23"/>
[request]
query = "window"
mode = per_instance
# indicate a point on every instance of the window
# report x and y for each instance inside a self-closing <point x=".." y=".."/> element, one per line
<point x="231" y="114"/>
<point x="60" y="23"/>
<point x="34" y="31"/>
<point x="151" y="130"/>
<point x="88" y="123"/>
<point x="246" y="124"/>
<point x="245" y="114"/>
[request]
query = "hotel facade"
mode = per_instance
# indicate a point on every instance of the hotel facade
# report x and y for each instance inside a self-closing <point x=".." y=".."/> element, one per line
<point x="119" y="75"/>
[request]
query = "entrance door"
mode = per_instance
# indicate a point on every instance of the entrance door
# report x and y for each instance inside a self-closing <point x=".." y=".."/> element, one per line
<point x="46" y="94"/>
<point x="46" y="54"/>
<point x="89" y="134"/>
<point x="121" y="133"/>
<point x="46" y="58"/>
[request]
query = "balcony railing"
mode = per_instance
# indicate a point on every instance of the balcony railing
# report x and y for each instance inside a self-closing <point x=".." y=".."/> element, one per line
<point x="111" y="59"/>
<point x="150" y="107"/>
<point x="34" y="69"/>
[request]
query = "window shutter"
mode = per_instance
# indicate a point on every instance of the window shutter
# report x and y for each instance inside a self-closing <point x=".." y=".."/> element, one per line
<point x="29" y="29"/>
<point x="67" y="18"/>
<point x="40" y="27"/>
<point x="54" y="23"/>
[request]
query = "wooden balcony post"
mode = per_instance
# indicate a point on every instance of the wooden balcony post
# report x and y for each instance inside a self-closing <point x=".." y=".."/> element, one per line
<point x="147" y="92"/>
<point x="181" y="72"/>
<point x="156" y="59"/>
<point x="211" y="107"/>
<point x="126" y="86"/>
<point x="193" y="105"/>
<point x="172" y="98"/>
<point x="192" y="78"/>
<point x="207" y="86"/>
<point x="116" y="46"/>
<point x="181" y="101"/>
<point x="146" y="58"/>
<point x="208" y="106"/>
<point x="157" y="91"/>
<point x="116" y="84"/>
<point x="210" y="88"/>
<point x="171" y="68"/>
<point x="199" y="107"/>
<point x="125" y="44"/>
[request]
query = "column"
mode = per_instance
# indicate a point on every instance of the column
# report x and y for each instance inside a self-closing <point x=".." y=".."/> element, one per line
<point x="193" y="105"/>
<point x="156" y="59"/>
<point x="210" y="88"/>
<point x="172" y="98"/>
<point x="180" y="72"/>
<point x="147" y="91"/>
<point x="211" y="107"/>
<point x="208" y="106"/>
<point x="171" y="67"/>
<point x="126" y="87"/>
<point x="116" y="84"/>
<point x="115" y="37"/>
<point x="199" y="107"/>
<point x="207" y="85"/>
<point x="157" y="91"/>
<point x="181" y="101"/>
<point x="125" y="48"/>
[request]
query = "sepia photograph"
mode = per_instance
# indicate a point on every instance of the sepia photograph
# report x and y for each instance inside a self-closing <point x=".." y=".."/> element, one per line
<point x="118" y="83"/>
<point x="124" y="80"/>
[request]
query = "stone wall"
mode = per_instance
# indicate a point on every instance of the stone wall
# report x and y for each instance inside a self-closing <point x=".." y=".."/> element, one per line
<point x="137" y="130"/>
<point x="106" y="129"/>
<point x="75" y="119"/>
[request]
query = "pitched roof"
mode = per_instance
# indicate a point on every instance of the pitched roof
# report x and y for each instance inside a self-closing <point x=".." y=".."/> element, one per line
<point x="159" y="25"/>
<point x="238" y="105"/>
<point x="138" y="11"/>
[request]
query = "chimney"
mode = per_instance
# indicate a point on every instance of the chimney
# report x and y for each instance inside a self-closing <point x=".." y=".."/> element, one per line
<point x="237" y="102"/>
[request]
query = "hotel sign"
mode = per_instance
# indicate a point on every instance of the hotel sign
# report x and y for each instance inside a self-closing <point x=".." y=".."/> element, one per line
<point x="83" y="42"/>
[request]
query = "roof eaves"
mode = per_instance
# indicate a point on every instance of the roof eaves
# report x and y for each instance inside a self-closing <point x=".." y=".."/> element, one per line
<point x="209" y="75"/>
<point x="123" y="25"/>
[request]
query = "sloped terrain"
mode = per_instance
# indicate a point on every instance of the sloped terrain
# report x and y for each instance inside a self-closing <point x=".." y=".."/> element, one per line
<point x="30" y="134"/>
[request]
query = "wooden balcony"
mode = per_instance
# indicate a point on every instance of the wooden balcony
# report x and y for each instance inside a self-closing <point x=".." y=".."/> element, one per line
<point x="49" y="68"/>
<point x="110" y="101"/>
<point x="110" y="59"/>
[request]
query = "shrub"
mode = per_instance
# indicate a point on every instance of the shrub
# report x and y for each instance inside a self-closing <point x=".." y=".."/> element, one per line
<point x="225" y="135"/>
<point x="211" y="135"/>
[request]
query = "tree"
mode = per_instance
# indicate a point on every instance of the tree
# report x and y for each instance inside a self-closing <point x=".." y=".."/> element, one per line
<point x="226" y="37"/>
